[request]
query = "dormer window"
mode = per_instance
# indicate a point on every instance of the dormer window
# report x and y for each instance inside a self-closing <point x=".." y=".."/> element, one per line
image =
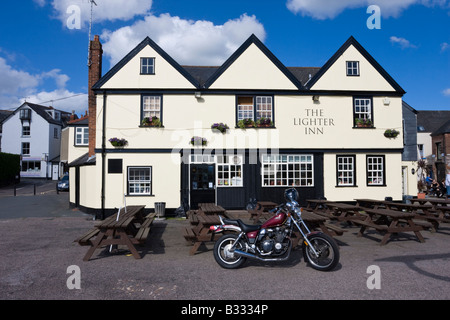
<point x="25" y="114"/>
<point x="352" y="68"/>
<point x="147" y="65"/>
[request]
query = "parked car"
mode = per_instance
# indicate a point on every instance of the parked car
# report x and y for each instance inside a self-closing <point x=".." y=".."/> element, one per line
<point x="63" y="184"/>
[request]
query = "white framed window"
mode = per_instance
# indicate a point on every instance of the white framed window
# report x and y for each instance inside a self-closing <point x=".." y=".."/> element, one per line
<point x="287" y="170"/>
<point x="362" y="111"/>
<point x="352" y="68"/>
<point x="31" y="166"/>
<point x="346" y="170"/>
<point x="147" y="65"/>
<point x="264" y="107"/>
<point x="139" y="180"/>
<point x="254" y="108"/>
<point x="82" y="136"/>
<point x="376" y="170"/>
<point x="229" y="170"/>
<point x="151" y="106"/>
<point x="25" y="131"/>
<point x="25" y="148"/>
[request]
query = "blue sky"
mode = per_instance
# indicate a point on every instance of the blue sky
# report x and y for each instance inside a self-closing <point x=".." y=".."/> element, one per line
<point x="43" y="52"/>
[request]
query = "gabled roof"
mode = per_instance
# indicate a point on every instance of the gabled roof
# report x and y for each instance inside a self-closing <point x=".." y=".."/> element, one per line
<point x="42" y="111"/>
<point x="367" y="56"/>
<point x="431" y="120"/>
<point x="146" y="42"/>
<point x="445" y="128"/>
<point x="252" y="40"/>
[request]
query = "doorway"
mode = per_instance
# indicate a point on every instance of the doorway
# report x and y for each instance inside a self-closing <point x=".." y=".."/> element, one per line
<point x="202" y="184"/>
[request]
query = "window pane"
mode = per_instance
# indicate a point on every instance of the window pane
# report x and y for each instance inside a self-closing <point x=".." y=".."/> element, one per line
<point x="139" y="181"/>
<point x="284" y="170"/>
<point x="151" y="106"/>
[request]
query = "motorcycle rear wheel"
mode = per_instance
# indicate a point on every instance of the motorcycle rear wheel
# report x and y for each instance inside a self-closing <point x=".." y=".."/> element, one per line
<point x="224" y="256"/>
<point x="328" y="252"/>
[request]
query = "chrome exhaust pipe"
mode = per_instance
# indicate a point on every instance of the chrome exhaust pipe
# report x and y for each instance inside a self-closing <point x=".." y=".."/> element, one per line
<point x="252" y="256"/>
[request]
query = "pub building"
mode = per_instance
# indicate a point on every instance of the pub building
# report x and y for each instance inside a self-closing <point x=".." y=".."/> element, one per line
<point x="249" y="128"/>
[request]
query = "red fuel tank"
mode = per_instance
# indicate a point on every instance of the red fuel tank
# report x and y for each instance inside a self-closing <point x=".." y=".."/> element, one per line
<point x="275" y="221"/>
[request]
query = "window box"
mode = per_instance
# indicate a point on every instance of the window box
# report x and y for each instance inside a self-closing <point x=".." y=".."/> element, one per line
<point x="363" y="123"/>
<point x="151" y="122"/>
<point x="264" y="123"/>
<point x="246" y="123"/>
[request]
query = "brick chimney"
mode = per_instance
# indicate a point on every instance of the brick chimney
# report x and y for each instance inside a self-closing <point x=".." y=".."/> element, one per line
<point x="95" y="73"/>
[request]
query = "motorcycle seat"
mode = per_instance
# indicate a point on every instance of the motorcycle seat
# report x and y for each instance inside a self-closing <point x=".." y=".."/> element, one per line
<point x="244" y="227"/>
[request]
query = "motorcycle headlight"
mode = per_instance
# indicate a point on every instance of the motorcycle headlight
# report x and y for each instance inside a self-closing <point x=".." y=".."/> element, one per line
<point x="298" y="212"/>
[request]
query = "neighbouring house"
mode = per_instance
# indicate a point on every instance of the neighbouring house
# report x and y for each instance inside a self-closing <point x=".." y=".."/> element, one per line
<point x="250" y="128"/>
<point x="34" y="132"/>
<point x="433" y="140"/>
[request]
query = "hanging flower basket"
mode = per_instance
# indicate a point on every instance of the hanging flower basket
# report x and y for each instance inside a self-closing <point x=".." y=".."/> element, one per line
<point x="222" y="127"/>
<point x="391" y="133"/>
<point x="116" y="142"/>
<point x="198" y="141"/>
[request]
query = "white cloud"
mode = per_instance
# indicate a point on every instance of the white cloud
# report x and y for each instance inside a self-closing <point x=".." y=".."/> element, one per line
<point x="16" y="86"/>
<point x="446" y="92"/>
<point x="187" y="41"/>
<point x="402" y="42"/>
<point x="105" y="10"/>
<point x="445" y="46"/>
<point x="329" y="9"/>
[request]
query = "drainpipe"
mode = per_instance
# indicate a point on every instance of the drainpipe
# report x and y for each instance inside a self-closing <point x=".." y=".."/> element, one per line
<point x="103" y="155"/>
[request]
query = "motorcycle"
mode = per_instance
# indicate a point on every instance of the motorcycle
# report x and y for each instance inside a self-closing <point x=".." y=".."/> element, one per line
<point x="271" y="241"/>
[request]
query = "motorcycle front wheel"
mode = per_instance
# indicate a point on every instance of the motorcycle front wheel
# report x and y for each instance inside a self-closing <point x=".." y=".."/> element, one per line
<point x="224" y="254"/>
<point x="327" y="249"/>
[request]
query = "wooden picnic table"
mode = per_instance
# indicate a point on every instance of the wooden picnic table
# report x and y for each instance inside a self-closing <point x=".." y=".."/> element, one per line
<point x="434" y="202"/>
<point x="421" y="212"/>
<point x="439" y="206"/>
<point x="211" y="208"/>
<point x="262" y="208"/>
<point x="128" y="227"/>
<point x="199" y="232"/>
<point x="315" y="221"/>
<point x="369" y="203"/>
<point x="341" y="212"/>
<point x="315" y="203"/>
<point x="389" y="222"/>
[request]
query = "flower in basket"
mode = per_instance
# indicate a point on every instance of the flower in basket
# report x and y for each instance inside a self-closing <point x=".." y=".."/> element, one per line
<point x="198" y="141"/>
<point x="151" y="122"/>
<point x="391" y="133"/>
<point x="264" y="122"/>
<point x="222" y="127"/>
<point x="116" y="142"/>
<point x="246" y="123"/>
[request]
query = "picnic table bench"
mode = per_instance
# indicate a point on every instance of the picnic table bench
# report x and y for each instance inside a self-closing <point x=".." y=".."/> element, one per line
<point x="389" y="222"/>
<point x="128" y="227"/>
<point x="198" y="232"/>
<point x="315" y="221"/>
<point x="369" y="203"/>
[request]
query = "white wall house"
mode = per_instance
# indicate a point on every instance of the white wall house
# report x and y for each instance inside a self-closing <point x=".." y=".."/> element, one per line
<point x="325" y="133"/>
<point x="34" y="132"/>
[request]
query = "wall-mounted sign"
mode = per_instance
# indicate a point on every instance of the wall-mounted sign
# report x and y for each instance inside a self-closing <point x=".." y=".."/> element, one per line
<point x="314" y="121"/>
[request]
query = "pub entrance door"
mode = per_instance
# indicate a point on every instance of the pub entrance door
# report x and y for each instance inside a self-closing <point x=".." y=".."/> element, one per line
<point x="202" y="184"/>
